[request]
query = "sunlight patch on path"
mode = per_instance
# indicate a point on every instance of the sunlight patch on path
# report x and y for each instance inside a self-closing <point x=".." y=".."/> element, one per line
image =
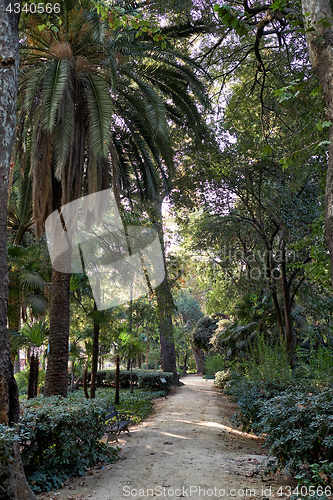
<point x="174" y="435"/>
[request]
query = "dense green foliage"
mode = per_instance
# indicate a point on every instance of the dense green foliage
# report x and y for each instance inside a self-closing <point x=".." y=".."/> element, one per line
<point x="291" y="410"/>
<point x="61" y="437"/>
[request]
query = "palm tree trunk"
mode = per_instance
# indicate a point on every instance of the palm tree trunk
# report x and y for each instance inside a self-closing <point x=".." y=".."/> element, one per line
<point x="15" y="484"/>
<point x="33" y="376"/>
<point x="56" y="382"/>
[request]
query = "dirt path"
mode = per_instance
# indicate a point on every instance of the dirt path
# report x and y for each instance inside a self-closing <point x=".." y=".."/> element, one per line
<point x="188" y="448"/>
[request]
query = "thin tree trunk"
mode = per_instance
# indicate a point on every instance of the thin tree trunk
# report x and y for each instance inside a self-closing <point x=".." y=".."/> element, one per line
<point x="131" y="377"/>
<point x="116" y="399"/>
<point x="94" y="363"/>
<point x="270" y="268"/>
<point x="15" y="484"/>
<point x="85" y="382"/>
<point x="72" y="377"/>
<point x="287" y="310"/>
<point x="56" y="382"/>
<point x="185" y="364"/>
<point x="320" y="49"/>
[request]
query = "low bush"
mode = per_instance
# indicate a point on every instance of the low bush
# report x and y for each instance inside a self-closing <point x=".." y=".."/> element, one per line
<point x="321" y="365"/>
<point x="299" y="428"/>
<point x="60" y="438"/>
<point x="268" y="362"/>
<point x="152" y="380"/>
<point x="213" y="364"/>
<point x="250" y="396"/>
<point x="222" y="378"/>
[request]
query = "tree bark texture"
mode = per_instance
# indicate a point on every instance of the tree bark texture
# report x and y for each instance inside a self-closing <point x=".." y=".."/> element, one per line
<point x="15" y="484"/>
<point x="165" y="306"/>
<point x="33" y="376"/>
<point x="320" y="48"/>
<point x="57" y="366"/>
<point x="199" y="358"/>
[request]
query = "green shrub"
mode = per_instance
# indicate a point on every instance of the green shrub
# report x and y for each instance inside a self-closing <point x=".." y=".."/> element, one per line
<point x="61" y="437"/>
<point x="250" y="396"/>
<point x="146" y="379"/>
<point x="213" y="364"/>
<point x="22" y="380"/>
<point x="222" y="378"/>
<point x="299" y="428"/>
<point x="268" y="361"/>
<point x="152" y="380"/>
<point x="321" y="365"/>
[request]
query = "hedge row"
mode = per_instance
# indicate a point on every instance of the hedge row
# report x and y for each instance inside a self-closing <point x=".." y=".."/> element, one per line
<point x="150" y="380"/>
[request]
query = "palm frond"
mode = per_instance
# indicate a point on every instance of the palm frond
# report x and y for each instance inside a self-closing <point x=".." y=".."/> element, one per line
<point x="54" y="86"/>
<point x="32" y="279"/>
<point x="99" y="107"/>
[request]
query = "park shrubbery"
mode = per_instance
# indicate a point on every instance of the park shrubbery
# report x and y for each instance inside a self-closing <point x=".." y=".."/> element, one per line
<point x="60" y="437"/>
<point x="292" y="410"/>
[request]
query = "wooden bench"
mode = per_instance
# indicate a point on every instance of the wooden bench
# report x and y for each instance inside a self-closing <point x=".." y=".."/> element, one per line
<point x="115" y="424"/>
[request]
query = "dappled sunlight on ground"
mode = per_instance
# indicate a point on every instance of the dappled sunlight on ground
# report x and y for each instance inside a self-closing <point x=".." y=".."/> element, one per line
<point x="188" y="443"/>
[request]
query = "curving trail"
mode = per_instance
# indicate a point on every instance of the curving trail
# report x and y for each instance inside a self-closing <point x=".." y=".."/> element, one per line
<point x="187" y="449"/>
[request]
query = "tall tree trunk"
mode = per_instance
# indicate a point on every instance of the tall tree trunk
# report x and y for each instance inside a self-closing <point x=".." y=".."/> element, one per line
<point x="15" y="484"/>
<point x="33" y="376"/>
<point x="56" y="382"/>
<point x="287" y="310"/>
<point x="85" y="382"/>
<point x="320" y="48"/>
<point x="94" y="363"/>
<point x="165" y="304"/>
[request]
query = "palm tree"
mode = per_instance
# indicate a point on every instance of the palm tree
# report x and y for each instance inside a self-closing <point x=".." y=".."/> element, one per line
<point x="34" y="337"/>
<point x="26" y="288"/>
<point x="94" y="105"/>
